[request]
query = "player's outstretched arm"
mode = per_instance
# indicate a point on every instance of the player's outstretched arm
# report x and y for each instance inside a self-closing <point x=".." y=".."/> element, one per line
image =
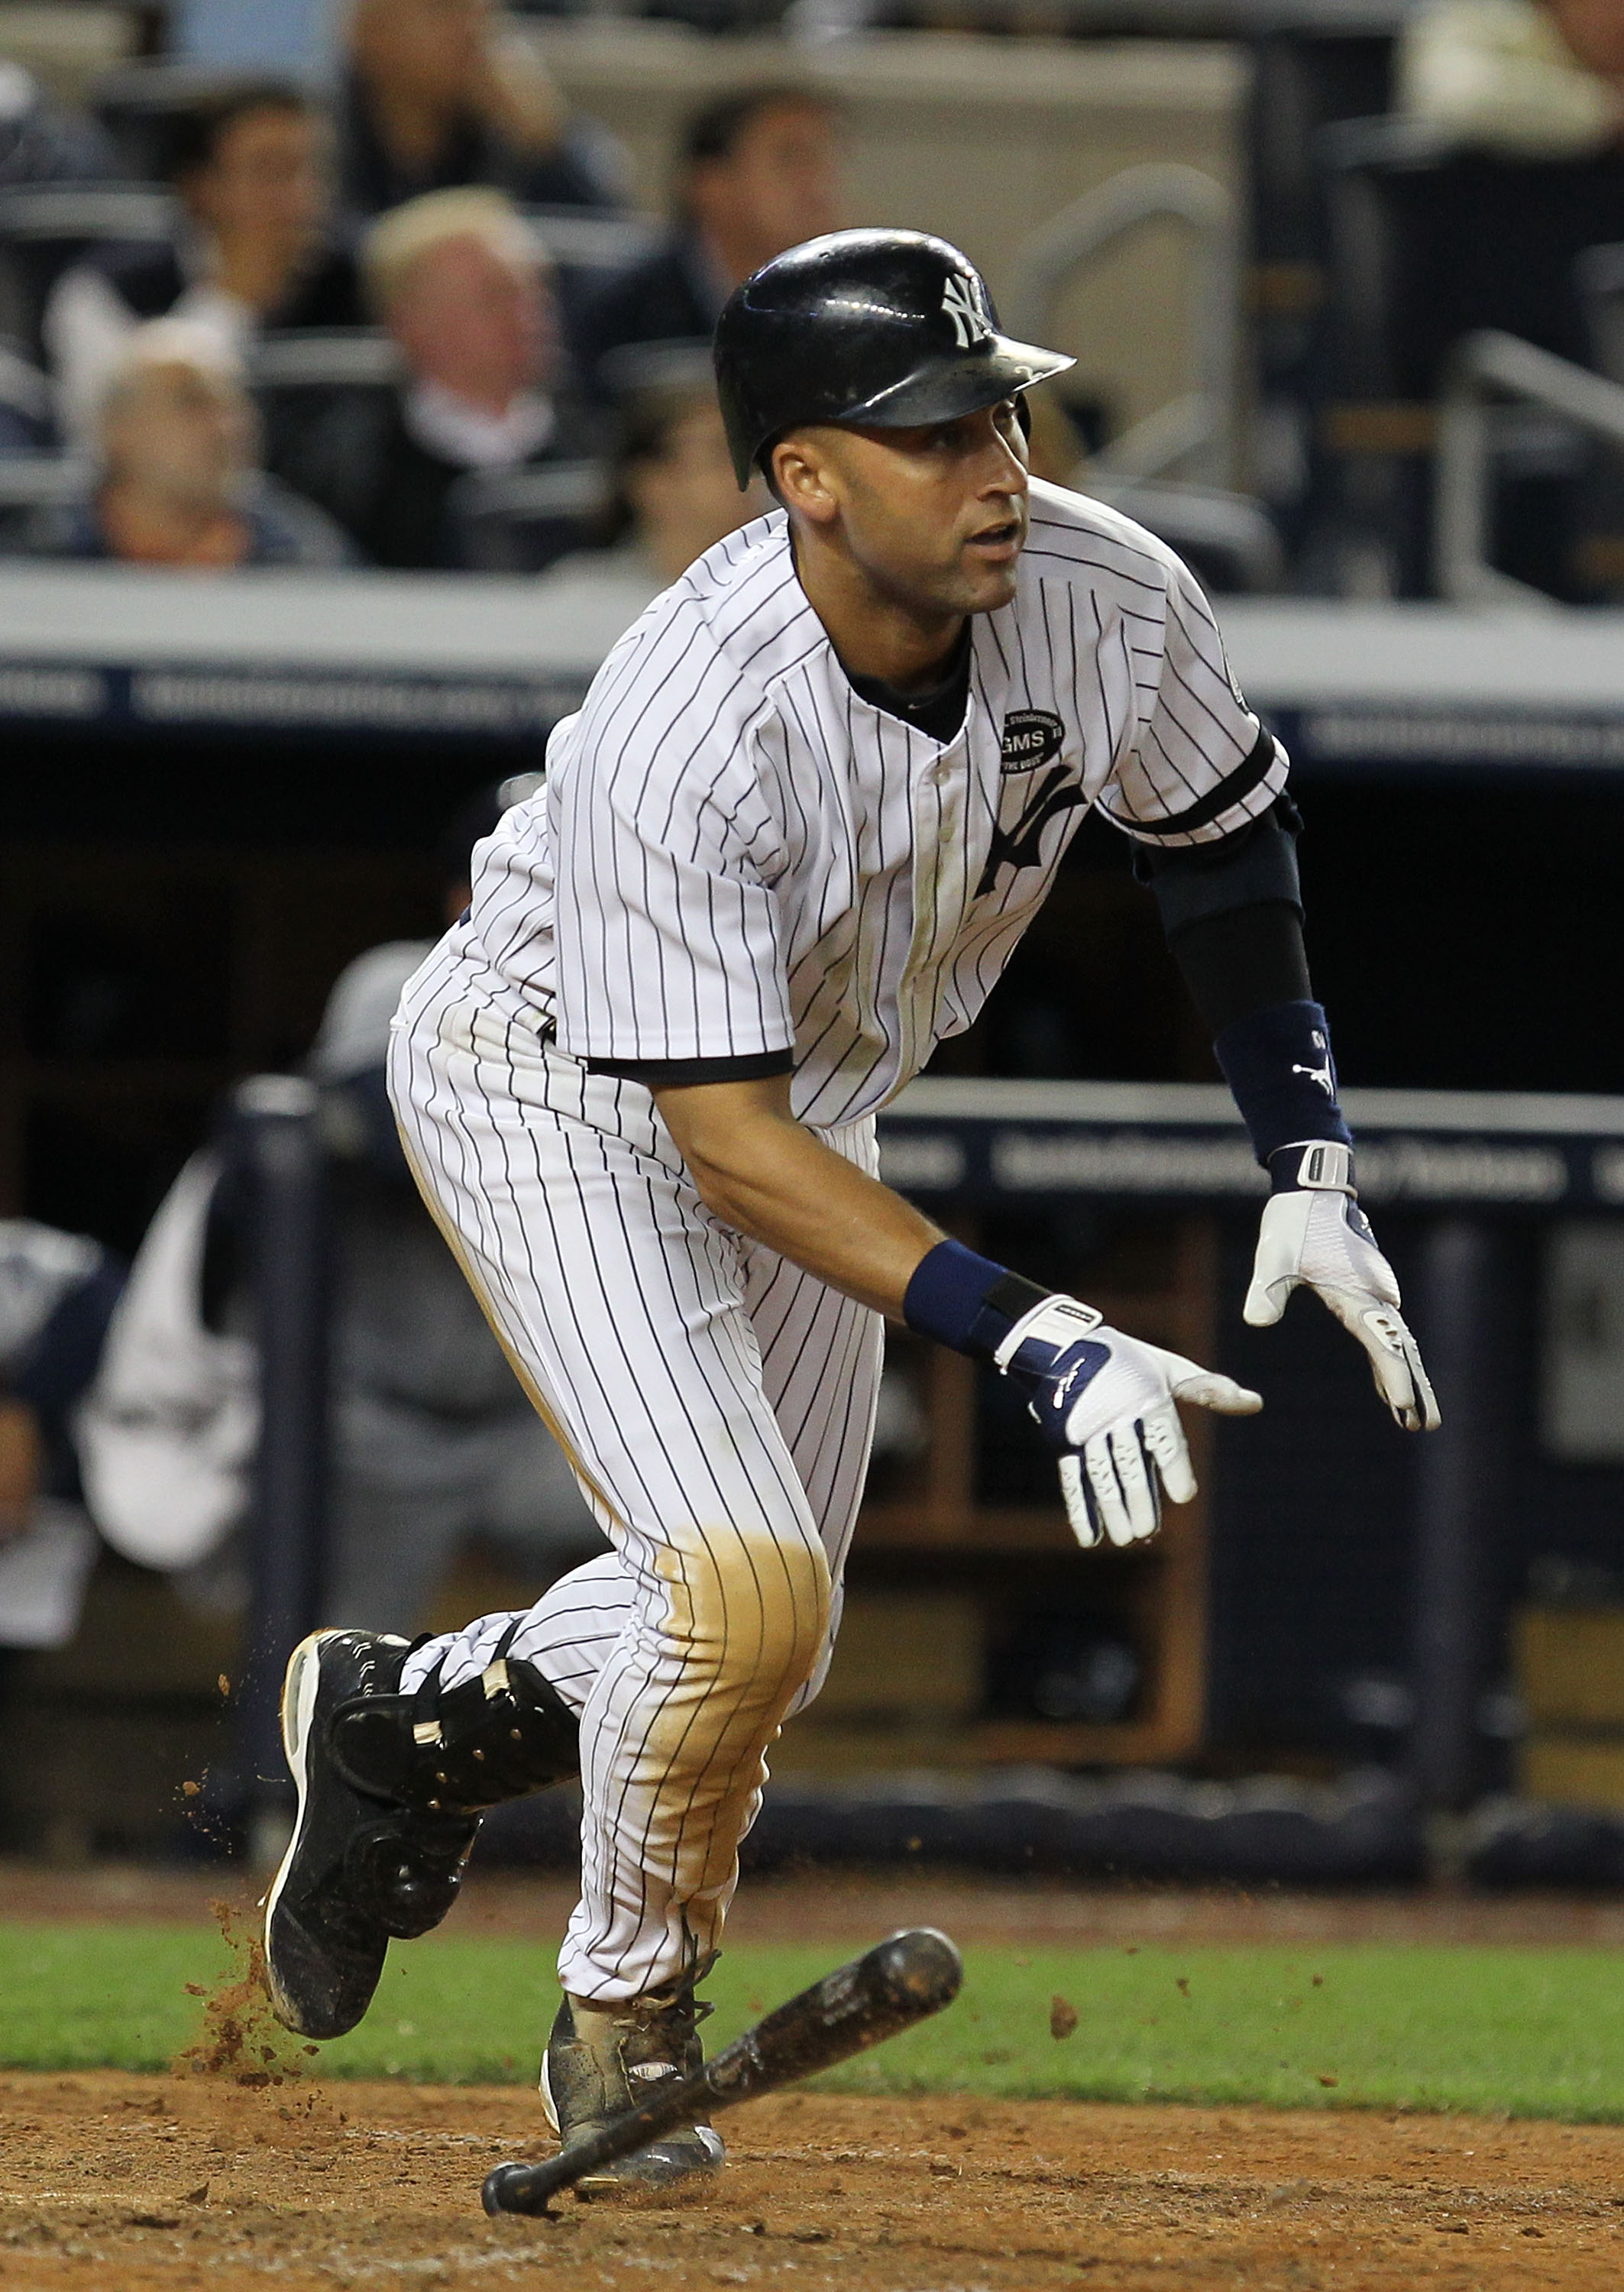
<point x="1105" y="1402"/>
<point x="1246" y="968"/>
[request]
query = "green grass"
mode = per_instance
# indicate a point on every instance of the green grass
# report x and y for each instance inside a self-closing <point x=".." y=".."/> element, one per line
<point x="1524" y="2031"/>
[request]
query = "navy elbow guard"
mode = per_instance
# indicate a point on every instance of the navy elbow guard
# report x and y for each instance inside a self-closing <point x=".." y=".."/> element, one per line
<point x="1278" y="1065"/>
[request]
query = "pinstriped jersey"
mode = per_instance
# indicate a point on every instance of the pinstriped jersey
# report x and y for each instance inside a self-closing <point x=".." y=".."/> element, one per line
<point x="736" y="858"/>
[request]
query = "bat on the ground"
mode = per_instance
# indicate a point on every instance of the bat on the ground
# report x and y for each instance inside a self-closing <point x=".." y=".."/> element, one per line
<point x="877" y="1994"/>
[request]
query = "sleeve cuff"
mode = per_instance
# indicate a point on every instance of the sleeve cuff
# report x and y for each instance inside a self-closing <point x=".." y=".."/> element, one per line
<point x="679" y="1074"/>
<point x="1262" y="761"/>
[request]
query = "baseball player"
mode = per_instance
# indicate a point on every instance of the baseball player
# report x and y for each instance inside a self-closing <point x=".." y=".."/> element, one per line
<point x="810" y="803"/>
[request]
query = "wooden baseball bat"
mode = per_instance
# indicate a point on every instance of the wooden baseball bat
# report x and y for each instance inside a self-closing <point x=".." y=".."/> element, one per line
<point x="888" y="1990"/>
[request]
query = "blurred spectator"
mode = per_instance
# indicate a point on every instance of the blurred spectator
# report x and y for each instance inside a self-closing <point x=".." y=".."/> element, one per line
<point x="757" y="174"/>
<point x="250" y="169"/>
<point x="434" y="1439"/>
<point x="675" y="497"/>
<point x="57" y="1296"/>
<point x="443" y="93"/>
<point x="27" y="415"/>
<point x="463" y="285"/>
<point x="44" y="142"/>
<point x="177" y="484"/>
<point x="434" y="1442"/>
<point x="1531" y="79"/>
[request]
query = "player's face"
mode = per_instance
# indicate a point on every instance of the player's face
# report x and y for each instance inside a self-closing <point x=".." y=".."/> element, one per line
<point x="935" y="518"/>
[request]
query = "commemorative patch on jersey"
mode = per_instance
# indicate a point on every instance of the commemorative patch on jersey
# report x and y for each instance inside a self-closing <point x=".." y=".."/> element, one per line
<point x="1031" y="737"/>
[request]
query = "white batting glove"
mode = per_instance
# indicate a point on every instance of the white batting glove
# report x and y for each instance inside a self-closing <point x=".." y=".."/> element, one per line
<point x="1316" y="1235"/>
<point x="1105" y="1402"/>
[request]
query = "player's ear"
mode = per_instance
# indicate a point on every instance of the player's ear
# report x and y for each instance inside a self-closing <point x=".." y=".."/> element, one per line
<point x="800" y="478"/>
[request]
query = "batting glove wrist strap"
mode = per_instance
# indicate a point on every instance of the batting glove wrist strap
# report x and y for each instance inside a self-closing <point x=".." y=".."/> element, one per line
<point x="1278" y="1064"/>
<point x="966" y="1301"/>
<point x="1313" y="1165"/>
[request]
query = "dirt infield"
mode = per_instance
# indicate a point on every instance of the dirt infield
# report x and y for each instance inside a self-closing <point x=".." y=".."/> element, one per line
<point x="156" y="2185"/>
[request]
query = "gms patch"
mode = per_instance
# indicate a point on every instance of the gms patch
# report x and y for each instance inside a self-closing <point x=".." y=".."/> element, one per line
<point x="1031" y="737"/>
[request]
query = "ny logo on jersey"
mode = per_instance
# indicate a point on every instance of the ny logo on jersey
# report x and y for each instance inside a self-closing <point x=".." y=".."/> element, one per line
<point x="964" y="301"/>
<point x="1022" y="845"/>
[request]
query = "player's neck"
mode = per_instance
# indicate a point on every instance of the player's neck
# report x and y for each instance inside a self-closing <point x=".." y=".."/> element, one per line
<point x="876" y="636"/>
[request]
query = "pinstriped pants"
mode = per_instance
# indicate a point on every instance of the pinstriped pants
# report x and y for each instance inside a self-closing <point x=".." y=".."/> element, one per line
<point x="717" y="1404"/>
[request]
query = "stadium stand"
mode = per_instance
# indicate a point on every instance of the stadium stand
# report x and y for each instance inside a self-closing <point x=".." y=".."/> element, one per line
<point x="434" y="96"/>
<point x="251" y="246"/>
<point x="755" y="172"/>
<point x="1429" y="245"/>
<point x="44" y="229"/>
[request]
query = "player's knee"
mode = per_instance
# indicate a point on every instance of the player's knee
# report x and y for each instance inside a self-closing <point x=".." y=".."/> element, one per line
<point x="748" y="1610"/>
<point x="812" y="1686"/>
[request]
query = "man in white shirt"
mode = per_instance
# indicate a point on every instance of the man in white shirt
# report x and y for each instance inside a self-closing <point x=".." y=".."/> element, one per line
<point x="464" y="287"/>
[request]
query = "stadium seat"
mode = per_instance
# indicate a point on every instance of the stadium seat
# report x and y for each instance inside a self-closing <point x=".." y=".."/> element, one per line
<point x="140" y="104"/>
<point x="36" y="481"/>
<point x="588" y="251"/>
<point x="1427" y="244"/>
<point x="1229" y="540"/>
<point x="295" y="373"/>
<point x="324" y="357"/>
<point x="523" y="521"/>
<point x="1303" y="79"/>
<point x="26" y="424"/>
<point x="45" y="228"/>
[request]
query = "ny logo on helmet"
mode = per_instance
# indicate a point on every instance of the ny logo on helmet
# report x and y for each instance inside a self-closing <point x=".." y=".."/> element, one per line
<point x="964" y="301"/>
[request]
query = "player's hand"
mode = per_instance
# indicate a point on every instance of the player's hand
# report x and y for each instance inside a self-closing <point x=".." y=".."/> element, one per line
<point x="1316" y="1236"/>
<point x="1105" y="1402"/>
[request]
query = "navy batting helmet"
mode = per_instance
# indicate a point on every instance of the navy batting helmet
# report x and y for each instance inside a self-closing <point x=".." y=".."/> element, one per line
<point x="886" y="328"/>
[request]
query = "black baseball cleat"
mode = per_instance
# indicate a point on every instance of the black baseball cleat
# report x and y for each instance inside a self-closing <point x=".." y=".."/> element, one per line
<point x="603" y="2060"/>
<point x="391" y="1790"/>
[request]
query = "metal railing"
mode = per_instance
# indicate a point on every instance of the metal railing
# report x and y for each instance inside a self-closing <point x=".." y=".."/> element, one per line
<point x="1229" y="531"/>
<point x="135" y="212"/>
<point x="1192" y="434"/>
<point x="817" y="22"/>
<point x="324" y="358"/>
<point x="1488" y="367"/>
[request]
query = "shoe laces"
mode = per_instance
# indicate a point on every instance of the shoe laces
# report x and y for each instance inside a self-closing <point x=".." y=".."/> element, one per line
<point x="678" y="1997"/>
